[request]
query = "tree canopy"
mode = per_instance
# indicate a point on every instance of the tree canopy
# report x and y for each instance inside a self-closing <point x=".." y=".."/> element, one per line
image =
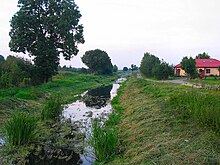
<point x="46" y="29"/>
<point x="98" y="61"/>
<point x="189" y="66"/>
<point x="2" y="58"/>
<point x="151" y="66"/>
<point x="202" y="55"/>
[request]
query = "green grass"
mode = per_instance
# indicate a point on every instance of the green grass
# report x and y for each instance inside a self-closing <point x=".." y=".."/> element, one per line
<point x="157" y="125"/>
<point x="104" y="140"/>
<point x="20" y="129"/>
<point x="52" y="108"/>
<point x="207" y="80"/>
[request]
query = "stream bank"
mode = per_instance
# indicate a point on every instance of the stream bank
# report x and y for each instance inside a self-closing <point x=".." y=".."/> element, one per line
<point x="63" y="142"/>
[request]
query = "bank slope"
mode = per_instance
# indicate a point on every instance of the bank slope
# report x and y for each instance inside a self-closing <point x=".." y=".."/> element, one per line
<point x="153" y="132"/>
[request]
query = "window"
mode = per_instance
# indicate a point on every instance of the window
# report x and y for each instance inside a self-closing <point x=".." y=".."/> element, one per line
<point x="210" y="60"/>
<point x="204" y="61"/>
<point x="207" y="71"/>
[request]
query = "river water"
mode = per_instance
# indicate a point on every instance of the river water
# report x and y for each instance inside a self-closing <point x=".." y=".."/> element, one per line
<point x="95" y="103"/>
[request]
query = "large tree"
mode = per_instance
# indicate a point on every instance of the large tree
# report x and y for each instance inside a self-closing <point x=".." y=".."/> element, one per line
<point x="46" y="29"/>
<point x="149" y="62"/>
<point x="98" y="61"/>
<point x="202" y="55"/>
<point x="189" y="66"/>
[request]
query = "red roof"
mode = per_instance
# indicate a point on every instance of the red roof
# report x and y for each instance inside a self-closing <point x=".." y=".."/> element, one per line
<point x="205" y="63"/>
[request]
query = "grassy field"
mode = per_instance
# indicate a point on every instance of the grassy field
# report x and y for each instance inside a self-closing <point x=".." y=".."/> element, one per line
<point x="157" y="128"/>
<point x="208" y="80"/>
<point x="30" y="99"/>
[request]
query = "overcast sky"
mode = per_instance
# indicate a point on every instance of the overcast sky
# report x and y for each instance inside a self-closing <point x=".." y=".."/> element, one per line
<point x="126" y="29"/>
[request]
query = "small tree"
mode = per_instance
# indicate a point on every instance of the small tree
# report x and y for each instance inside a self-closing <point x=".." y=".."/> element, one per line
<point x="98" y="61"/>
<point x="125" y="69"/>
<point x="189" y="66"/>
<point x="202" y="55"/>
<point x="115" y="68"/>
<point x="149" y="62"/>
<point x="162" y="71"/>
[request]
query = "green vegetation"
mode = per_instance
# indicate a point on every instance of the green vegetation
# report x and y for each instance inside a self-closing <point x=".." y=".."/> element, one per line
<point x="67" y="84"/>
<point x="20" y="129"/>
<point x="104" y="137"/>
<point x="16" y="71"/>
<point x="151" y="66"/>
<point x="164" y="123"/>
<point x="202" y="107"/>
<point x="189" y="66"/>
<point x="203" y="55"/>
<point x="104" y="140"/>
<point x="25" y="133"/>
<point x="52" y="108"/>
<point x="212" y="80"/>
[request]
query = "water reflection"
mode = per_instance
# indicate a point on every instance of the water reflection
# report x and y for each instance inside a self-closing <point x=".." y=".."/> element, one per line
<point x="2" y="142"/>
<point x="98" y="97"/>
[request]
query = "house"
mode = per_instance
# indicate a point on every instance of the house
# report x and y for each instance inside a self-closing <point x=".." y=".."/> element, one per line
<point x="205" y="67"/>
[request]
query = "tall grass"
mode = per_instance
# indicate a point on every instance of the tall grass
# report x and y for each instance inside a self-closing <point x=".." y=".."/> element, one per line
<point x="203" y="107"/>
<point x="20" y="129"/>
<point x="52" y="108"/>
<point x="104" y="140"/>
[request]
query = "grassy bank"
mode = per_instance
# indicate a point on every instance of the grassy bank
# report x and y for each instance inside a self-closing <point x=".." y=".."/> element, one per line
<point x="67" y="84"/>
<point x="157" y="128"/>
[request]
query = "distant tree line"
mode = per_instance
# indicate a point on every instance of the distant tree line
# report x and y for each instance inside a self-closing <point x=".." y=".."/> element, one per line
<point x="152" y="66"/>
<point x="16" y="71"/>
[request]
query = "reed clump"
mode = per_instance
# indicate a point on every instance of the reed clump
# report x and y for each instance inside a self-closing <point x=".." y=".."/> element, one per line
<point x="52" y="108"/>
<point x="20" y="129"/>
<point x="104" y="140"/>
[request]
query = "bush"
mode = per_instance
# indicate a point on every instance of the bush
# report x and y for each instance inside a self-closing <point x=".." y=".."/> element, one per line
<point x="52" y="108"/>
<point x="20" y="129"/>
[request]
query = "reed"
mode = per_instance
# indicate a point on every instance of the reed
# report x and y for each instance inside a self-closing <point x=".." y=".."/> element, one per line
<point x="52" y="108"/>
<point x="20" y="129"/>
<point x="104" y="140"/>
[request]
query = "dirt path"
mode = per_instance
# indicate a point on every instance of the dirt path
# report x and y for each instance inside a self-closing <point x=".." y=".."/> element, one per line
<point x="181" y="81"/>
